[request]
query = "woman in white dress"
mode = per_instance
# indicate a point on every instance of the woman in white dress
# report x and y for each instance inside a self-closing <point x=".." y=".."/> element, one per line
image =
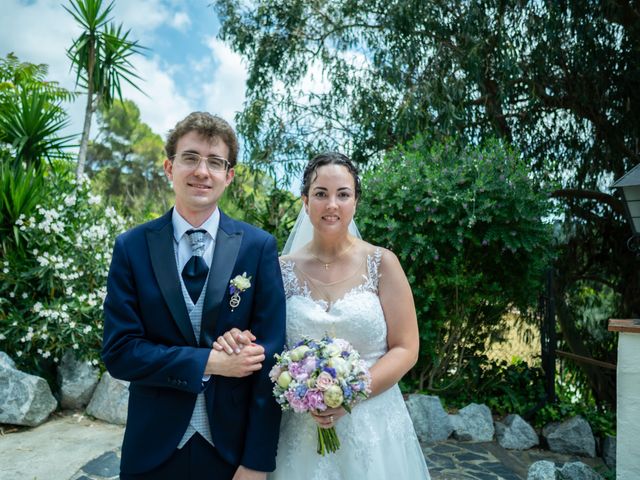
<point x="340" y="285"/>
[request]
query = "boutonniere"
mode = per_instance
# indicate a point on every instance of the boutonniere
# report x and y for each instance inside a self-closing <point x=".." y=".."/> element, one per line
<point x="237" y="285"/>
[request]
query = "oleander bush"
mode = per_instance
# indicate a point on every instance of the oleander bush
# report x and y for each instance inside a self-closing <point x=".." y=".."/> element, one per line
<point x="467" y="223"/>
<point x="53" y="281"/>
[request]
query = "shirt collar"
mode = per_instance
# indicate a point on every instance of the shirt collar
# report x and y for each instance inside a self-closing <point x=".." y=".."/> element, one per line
<point x="180" y="225"/>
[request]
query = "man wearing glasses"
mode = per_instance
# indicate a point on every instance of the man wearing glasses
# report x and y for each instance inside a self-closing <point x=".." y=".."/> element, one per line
<point x="176" y="284"/>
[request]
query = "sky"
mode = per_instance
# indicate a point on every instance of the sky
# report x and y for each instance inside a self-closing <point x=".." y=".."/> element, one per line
<point x="185" y="68"/>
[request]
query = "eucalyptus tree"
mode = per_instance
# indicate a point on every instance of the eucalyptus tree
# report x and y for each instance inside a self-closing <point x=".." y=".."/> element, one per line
<point x="101" y="58"/>
<point x="558" y="80"/>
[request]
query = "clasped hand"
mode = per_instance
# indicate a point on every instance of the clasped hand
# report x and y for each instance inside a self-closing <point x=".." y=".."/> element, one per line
<point x="235" y="355"/>
<point x="235" y="342"/>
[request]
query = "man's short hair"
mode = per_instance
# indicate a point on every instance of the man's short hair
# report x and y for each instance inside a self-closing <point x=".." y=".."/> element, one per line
<point x="209" y="126"/>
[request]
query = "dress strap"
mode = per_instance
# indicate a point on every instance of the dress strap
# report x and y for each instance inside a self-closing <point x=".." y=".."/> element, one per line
<point x="289" y="279"/>
<point x="373" y="269"/>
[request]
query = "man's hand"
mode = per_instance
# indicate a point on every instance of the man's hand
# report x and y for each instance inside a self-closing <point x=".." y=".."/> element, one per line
<point x="234" y="340"/>
<point x="244" y="473"/>
<point x="243" y="364"/>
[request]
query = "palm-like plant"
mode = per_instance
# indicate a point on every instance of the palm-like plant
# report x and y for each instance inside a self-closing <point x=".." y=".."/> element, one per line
<point x="30" y="125"/>
<point x="101" y="59"/>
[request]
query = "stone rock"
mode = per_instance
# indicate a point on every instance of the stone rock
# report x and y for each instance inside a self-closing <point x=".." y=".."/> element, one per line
<point x="24" y="399"/>
<point x="473" y="423"/>
<point x="542" y="470"/>
<point x="573" y="436"/>
<point x="549" y="428"/>
<point x="431" y="422"/>
<point x="110" y="400"/>
<point x="609" y="451"/>
<point x="6" y="361"/>
<point x="77" y="381"/>
<point x="515" y="434"/>
<point x="578" y="471"/>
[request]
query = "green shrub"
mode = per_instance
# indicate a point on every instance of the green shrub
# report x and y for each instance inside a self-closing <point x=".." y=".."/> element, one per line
<point x="504" y="387"/>
<point x="466" y="224"/>
<point x="53" y="285"/>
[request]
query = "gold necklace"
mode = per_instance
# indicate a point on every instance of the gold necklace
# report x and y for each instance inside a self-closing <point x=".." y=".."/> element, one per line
<point x="326" y="264"/>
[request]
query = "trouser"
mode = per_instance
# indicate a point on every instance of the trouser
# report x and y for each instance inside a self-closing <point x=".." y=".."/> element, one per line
<point x="198" y="459"/>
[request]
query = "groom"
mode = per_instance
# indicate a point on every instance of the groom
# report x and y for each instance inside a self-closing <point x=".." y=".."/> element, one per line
<point x="175" y="284"/>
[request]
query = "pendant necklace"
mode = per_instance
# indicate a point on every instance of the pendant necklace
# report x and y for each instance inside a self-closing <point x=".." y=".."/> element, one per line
<point x="326" y="264"/>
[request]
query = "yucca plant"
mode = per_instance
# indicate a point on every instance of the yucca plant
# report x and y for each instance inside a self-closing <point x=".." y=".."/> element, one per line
<point x="31" y="126"/>
<point x="21" y="190"/>
<point x="101" y="58"/>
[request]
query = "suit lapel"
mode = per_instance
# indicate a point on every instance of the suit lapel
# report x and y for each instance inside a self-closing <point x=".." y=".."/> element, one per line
<point x="228" y="240"/>
<point x="160" y="242"/>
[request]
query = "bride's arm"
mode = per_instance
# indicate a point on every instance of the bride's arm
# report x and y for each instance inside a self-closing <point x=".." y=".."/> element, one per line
<point x="402" y="325"/>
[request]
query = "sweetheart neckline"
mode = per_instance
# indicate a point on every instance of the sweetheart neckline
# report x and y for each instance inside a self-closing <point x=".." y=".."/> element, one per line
<point x="331" y="305"/>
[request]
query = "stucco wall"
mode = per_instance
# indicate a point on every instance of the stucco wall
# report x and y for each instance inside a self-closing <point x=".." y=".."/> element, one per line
<point x="628" y="423"/>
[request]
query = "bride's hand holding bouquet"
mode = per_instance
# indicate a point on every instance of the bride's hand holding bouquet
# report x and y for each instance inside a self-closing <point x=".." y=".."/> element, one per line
<point x="321" y="377"/>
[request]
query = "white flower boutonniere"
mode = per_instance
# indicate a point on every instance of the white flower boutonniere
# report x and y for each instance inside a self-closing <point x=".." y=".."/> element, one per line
<point x="237" y="285"/>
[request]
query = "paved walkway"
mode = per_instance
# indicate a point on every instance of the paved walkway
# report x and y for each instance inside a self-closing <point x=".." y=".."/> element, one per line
<point x="74" y="447"/>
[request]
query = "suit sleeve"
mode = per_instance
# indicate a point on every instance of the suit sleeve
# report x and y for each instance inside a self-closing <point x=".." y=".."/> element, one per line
<point x="268" y="325"/>
<point x="127" y="353"/>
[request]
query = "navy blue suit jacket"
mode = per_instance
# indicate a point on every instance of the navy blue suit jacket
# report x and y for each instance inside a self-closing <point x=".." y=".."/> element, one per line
<point x="149" y="341"/>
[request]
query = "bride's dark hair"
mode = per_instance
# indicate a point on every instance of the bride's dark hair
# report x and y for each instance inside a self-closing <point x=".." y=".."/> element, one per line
<point x="328" y="158"/>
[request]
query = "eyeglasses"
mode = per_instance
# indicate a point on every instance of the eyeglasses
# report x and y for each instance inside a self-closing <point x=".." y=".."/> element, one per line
<point x="191" y="161"/>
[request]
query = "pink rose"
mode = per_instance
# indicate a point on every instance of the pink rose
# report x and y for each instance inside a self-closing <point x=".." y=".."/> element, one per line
<point x="324" y="381"/>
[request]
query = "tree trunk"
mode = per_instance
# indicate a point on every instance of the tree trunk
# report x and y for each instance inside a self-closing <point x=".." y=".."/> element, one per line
<point x="88" y="112"/>
<point x="84" y="141"/>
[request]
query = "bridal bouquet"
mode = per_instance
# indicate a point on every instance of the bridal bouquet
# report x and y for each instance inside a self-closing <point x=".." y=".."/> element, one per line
<point x="315" y="375"/>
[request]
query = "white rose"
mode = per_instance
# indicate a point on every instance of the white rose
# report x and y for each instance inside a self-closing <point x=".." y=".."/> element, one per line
<point x="333" y="350"/>
<point x="242" y="282"/>
<point x="340" y="365"/>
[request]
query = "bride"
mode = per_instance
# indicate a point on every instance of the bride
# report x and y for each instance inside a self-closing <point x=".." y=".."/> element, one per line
<point x="340" y="285"/>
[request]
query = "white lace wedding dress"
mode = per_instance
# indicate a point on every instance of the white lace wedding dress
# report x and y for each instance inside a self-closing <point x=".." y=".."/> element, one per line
<point x="378" y="441"/>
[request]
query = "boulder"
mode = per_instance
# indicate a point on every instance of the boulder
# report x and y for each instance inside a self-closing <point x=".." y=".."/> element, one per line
<point x="431" y="422"/>
<point x="578" y="471"/>
<point x="110" y="400"/>
<point x="77" y="381"/>
<point x="473" y="423"/>
<point x="609" y="451"/>
<point x="542" y="470"/>
<point x="573" y="436"/>
<point x="24" y="399"/>
<point x="515" y="434"/>
<point x="6" y="361"/>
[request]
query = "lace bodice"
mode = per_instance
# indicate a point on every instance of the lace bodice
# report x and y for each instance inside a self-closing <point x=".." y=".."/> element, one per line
<point x="356" y="317"/>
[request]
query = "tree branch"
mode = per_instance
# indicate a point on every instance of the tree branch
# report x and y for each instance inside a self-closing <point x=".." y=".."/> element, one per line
<point x="574" y="194"/>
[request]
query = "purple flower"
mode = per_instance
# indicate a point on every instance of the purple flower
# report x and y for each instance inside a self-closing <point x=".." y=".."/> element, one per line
<point x="309" y="364"/>
<point x="296" y="403"/>
<point x="314" y="400"/>
<point x="330" y="371"/>
<point x="298" y="372"/>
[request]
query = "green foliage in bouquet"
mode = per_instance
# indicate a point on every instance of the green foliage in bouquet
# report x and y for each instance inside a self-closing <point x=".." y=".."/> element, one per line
<point x="467" y="224"/>
<point x="52" y="285"/>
